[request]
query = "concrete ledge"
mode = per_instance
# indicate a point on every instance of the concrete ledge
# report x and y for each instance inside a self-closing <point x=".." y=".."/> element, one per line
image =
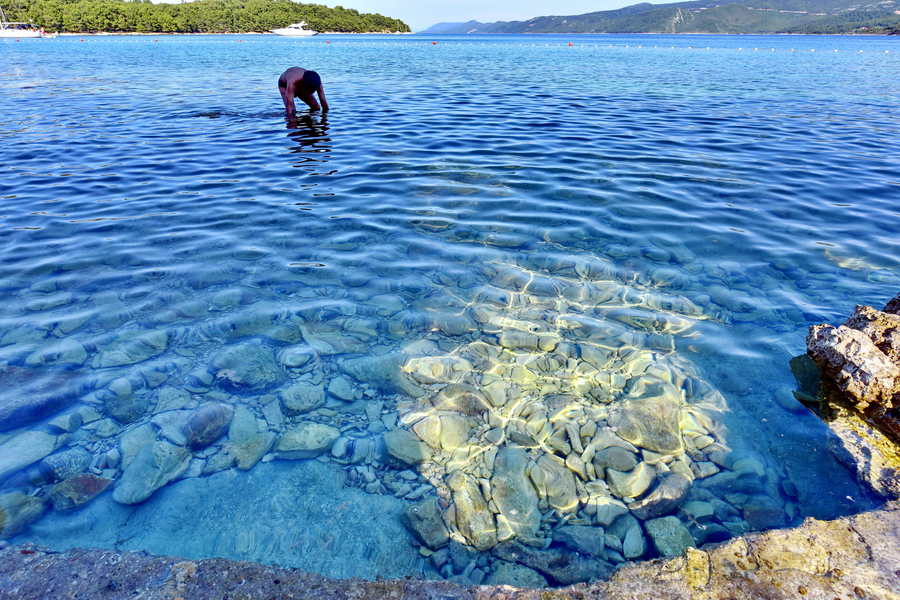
<point x="851" y="557"/>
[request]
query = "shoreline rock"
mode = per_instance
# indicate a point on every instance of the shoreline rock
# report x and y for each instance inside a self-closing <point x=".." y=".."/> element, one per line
<point x="860" y="363"/>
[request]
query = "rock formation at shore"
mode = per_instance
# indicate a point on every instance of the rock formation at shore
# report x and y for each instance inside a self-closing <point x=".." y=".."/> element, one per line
<point x="860" y="361"/>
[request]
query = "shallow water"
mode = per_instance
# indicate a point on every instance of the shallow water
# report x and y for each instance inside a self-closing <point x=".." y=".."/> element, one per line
<point x="495" y="242"/>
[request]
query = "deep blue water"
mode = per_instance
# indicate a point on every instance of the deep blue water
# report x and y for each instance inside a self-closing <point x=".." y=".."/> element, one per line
<point x="693" y="202"/>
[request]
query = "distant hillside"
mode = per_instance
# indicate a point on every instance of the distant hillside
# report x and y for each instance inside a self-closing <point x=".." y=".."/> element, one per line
<point x="710" y="16"/>
<point x="202" y="16"/>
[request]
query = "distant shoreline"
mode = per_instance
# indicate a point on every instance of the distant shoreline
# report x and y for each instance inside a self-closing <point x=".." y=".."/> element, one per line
<point x="139" y="33"/>
<point x="425" y="33"/>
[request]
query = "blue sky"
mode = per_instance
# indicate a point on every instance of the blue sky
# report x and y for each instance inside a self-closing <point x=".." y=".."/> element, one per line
<point x="420" y="14"/>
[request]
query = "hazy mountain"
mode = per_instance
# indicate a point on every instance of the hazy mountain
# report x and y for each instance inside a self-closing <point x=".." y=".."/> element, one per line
<point x="709" y="16"/>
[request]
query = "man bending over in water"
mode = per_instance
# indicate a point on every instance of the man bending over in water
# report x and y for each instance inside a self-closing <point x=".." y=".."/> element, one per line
<point x="301" y="83"/>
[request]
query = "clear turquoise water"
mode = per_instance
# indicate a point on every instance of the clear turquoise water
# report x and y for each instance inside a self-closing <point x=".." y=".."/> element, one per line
<point x="732" y="190"/>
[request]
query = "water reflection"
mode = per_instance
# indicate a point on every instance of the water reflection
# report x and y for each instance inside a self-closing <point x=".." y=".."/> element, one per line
<point x="313" y="145"/>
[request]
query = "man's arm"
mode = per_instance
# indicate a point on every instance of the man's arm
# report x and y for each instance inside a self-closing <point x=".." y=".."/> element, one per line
<point x="288" y="100"/>
<point x="322" y="98"/>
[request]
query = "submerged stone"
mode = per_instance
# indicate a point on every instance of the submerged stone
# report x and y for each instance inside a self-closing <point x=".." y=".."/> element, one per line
<point x="634" y="545"/>
<point x="206" y="424"/>
<point x="406" y="447"/>
<point x="306" y="440"/>
<point x="561" y="567"/>
<point x="247" y="367"/>
<point x="652" y="420"/>
<point x="616" y="458"/>
<point x="76" y="491"/>
<point x="763" y="512"/>
<point x="153" y="467"/>
<point x="668" y="495"/>
<point x="342" y="389"/>
<point x="474" y="521"/>
<point x="302" y="397"/>
<point x="424" y="519"/>
<point x="516" y="575"/>
<point x="23" y="450"/>
<point x="514" y="495"/>
<point x="122" y="403"/>
<point x="555" y="482"/>
<point x="631" y="484"/>
<point x="17" y="512"/>
<point x="248" y="439"/>
<point x="65" y="464"/>
<point x="669" y="535"/>
<point x="581" y="538"/>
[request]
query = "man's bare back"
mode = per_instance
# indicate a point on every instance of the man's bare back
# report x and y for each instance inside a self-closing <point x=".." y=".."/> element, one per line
<point x="301" y="83"/>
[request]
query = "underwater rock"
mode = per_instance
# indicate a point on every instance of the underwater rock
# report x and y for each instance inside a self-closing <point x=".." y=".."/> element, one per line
<point x="634" y="545"/>
<point x="616" y="458"/>
<point x="406" y="447"/>
<point x="153" y="467"/>
<point x="247" y="367"/>
<point x="76" y="491"/>
<point x="66" y="423"/>
<point x="555" y="483"/>
<point x="134" y="440"/>
<point x="383" y="371"/>
<point x="669" y="535"/>
<point x="425" y="521"/>
<point x="248" y="438"/>
<point x="514" y="496"/>
<point x="302" y="397"/>
<point x="207" y="424"/>
<point x="17" y="512"/>
<point x="297" y="357"/>
<point x="697" y="511"/>
<point x="763" y="512"/>
<point x="65" y="464"/>
<point x="436" y="369"/>
<point x="23" y="450"/>
<point x="306" y="440"/>
<point x="561" y="567"/>
<point x="454" y="431"/>
<point x="668" y="495"/>
<point x="66" y="353"/>
<point x="122" y="403"/>
<point x="651" y="420"/>
<point x="606" y="509"/>
<point x="170" y="398"/>
<point x="516" y="575"/>
<point x="581" y="538"/>
<point x="30" y="405"/>
<point x="342" y="389"/>
<point x="129" y="349"/>
<point x="172" y="425"/>
<point x="631" y="484"/>
<point x="474" y="521"/>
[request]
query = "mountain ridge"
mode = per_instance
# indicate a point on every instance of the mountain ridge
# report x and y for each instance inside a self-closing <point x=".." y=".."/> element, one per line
<point x="708" y="16"/>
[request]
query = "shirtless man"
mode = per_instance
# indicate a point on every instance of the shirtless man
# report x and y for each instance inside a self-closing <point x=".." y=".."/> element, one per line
<point x="301" y="83"/>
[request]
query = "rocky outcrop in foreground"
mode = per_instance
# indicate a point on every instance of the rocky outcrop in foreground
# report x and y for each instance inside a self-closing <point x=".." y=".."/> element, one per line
<point x="861" y="361"/>
<point x="852" y="557"/>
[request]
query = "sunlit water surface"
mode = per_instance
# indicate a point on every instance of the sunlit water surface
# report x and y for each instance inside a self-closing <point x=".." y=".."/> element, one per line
<point x="521" y="251"/>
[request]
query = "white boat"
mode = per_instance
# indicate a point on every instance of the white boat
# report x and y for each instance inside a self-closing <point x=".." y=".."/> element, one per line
<point x="18" y="30"/>
<point x="295" y="30"/>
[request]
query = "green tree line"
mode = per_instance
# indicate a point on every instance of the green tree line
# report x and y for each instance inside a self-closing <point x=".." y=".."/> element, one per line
<point x="202" y="16"/>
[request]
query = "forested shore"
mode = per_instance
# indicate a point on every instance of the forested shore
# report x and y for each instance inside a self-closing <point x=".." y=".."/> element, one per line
<point x="202" y="16"/>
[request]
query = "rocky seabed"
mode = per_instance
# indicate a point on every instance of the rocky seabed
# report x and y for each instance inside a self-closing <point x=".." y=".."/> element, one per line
<point x="538" y="419"/>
